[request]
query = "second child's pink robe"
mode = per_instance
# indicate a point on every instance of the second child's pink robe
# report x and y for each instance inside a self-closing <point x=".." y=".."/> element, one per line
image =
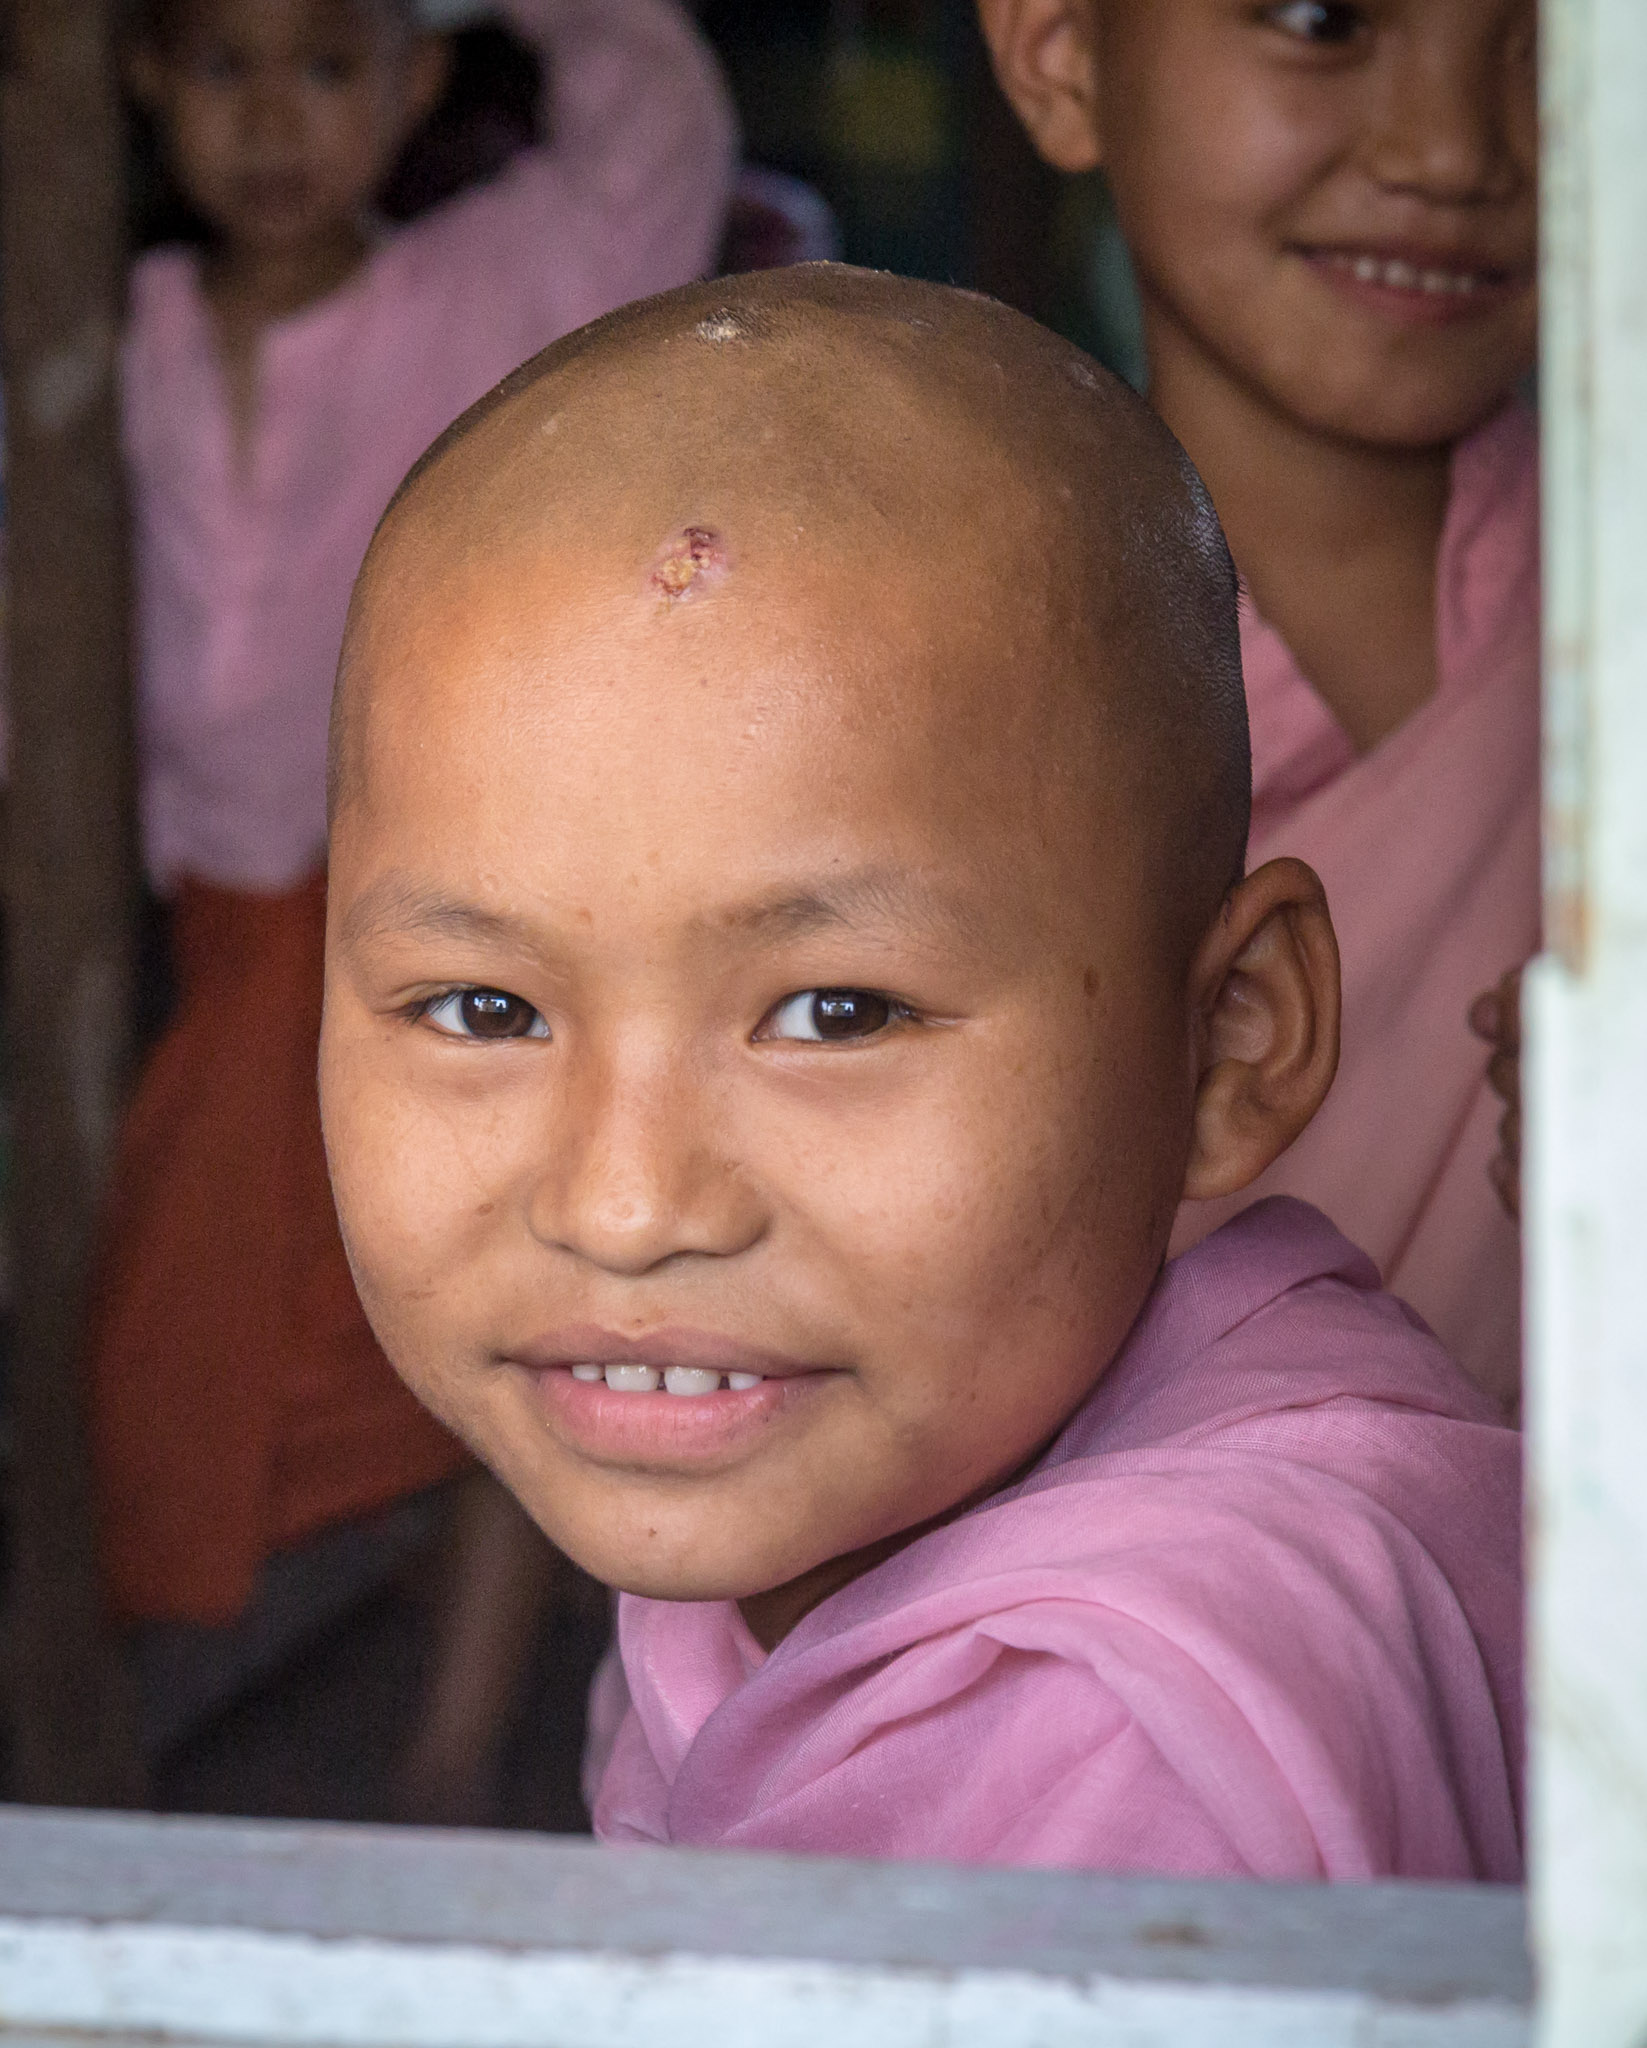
<point x="1429" y="849"/>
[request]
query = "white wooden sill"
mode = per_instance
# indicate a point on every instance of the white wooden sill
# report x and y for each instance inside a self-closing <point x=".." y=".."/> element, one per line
<point x="124" y="1928"/>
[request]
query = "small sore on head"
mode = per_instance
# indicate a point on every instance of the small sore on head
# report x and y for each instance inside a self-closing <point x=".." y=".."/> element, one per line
<point x="690" y="559"/>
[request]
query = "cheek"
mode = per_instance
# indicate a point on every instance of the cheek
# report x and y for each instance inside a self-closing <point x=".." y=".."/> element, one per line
<point x="350" y="136"/>
<point x="201" y="140"/>
<point x="417" y="1177"/>
<point x="1206" y="155"/>
<point x="987" y="1209"/>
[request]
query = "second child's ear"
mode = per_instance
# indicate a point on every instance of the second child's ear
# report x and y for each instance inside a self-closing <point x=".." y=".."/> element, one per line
<point x="1046" y="60"/>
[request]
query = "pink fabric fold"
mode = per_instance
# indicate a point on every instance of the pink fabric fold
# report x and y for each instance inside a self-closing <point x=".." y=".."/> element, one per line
<point x="1256" y="1612"/>
<point x="1429" y="850"/>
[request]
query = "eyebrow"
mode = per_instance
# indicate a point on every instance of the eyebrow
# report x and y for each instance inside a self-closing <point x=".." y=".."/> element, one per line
<point x="396" y="903"/>
<point x="866" y="898"/>
<point x="852" y="901"/>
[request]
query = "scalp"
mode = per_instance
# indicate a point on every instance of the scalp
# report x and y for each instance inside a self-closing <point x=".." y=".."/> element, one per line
<point x="822" y="414"/>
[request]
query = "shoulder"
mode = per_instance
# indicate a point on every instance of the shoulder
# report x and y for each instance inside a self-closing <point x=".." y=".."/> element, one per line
<point x="1275" y="1312"/>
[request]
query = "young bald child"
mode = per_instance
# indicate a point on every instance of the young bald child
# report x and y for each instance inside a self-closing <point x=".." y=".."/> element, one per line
<point x="789" y="956"/>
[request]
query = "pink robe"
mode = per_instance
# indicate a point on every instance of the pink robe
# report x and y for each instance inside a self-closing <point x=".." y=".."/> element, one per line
<point x="1255" y="1613"/>
<point x="1429" y="849"/>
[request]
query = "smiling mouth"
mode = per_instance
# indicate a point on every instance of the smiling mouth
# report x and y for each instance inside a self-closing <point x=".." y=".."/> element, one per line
<point x="1404" y="274"/>
<point x="683" y="1381"/>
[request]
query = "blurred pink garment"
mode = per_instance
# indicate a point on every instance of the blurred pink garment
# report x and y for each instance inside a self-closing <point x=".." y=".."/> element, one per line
<point x="1429" y="849"/>
<point x="244" y="578"/>
<point x="1256" y="1613"/>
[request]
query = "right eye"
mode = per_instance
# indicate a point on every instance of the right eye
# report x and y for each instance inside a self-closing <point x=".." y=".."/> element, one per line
<point x="832" y="1016"/>
<point x="484" y="1013"/>
<point x="1318" y="21"/>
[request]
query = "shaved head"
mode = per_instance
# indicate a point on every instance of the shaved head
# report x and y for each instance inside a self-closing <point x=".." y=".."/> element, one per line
<point x="785" y="900"/>
<point x="822" y="420"/>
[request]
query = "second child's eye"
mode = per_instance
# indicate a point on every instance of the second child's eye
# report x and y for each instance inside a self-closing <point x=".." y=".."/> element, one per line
<point x="1318" y="21"/>
<point x="489" y="1013"/>
<point x="823" y="1016"/>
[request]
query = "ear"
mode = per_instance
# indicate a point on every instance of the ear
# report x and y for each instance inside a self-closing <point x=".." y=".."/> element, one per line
<point x="1045" y="54"/>
<point x="1265" y="991"/>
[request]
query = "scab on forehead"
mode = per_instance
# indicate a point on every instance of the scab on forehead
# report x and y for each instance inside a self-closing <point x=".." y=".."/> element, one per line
<point x="689" y="561"/>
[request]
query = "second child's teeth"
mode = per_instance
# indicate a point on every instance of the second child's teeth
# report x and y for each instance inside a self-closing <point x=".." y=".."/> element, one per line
<point x="1407" y="277"/>
<point x="741" y="1382"/>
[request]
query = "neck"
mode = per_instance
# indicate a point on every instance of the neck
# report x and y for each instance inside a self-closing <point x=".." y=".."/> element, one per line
<point x="771" y="1615"/>
<point x="1336" y="539"/>
<point x="250" y="285"/>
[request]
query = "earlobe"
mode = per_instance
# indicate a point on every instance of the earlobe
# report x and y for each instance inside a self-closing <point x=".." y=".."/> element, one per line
<point x="1044" y="57"/>
<point x="1265" y="991"/>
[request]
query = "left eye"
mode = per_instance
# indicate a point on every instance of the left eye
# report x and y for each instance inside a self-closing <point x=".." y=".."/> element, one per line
<point x="821" y="1016"/>
<point x="485" y="1013"/>
<point x="1318" y="21"/>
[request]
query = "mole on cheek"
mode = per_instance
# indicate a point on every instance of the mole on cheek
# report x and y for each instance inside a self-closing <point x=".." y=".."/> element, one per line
<point x="694" y="557"/>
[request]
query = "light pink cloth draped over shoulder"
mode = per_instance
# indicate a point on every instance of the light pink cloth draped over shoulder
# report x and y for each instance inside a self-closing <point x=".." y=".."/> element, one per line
<point x="1255" y="1613"/>
<point x="1429" y="850"/>
<point x="244" y="579"/>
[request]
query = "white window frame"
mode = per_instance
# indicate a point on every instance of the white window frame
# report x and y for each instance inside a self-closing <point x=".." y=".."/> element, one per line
<point x="217" y="1931"/>
<point x="1587" y="1029"/>
<point x="115" y="1928"/>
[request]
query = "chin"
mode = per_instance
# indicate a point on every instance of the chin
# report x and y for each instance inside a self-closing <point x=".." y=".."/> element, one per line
<point x="674" y="1564"/>
<point x="655" y="1579"/>
<point x="1382" y="414"/>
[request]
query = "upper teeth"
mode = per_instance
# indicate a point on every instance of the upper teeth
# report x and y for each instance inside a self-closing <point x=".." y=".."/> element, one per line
<point x="1408" y="277"/>
<point x="676" y="1379"/>
<point x="691" y="1379"/>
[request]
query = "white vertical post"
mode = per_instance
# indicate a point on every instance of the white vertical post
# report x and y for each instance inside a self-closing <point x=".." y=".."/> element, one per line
<point x="1586" y="1165"/>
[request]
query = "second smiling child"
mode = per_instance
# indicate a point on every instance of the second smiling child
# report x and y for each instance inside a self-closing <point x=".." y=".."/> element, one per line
<point x="1331" y="210"/>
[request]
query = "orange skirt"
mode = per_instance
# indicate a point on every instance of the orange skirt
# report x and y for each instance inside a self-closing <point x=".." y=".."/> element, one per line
<point x="238" y="1401"/>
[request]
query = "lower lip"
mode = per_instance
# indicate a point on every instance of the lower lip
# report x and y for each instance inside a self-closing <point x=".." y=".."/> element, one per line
<point x="662" y="1428"/>
<point x="1411" y="305"/>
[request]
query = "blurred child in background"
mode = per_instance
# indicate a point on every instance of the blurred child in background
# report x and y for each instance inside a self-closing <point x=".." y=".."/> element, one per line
<point x="280" y="375"/>
<point x="1331" y="208"/>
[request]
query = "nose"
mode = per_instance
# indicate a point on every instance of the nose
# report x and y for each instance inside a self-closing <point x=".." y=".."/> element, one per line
<point x="632" y="1175"/>
<point x="1446" y="122"/>
<point x="269" y="114"/>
